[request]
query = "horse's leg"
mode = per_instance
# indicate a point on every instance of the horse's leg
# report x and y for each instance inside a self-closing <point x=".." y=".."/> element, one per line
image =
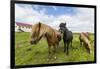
<point x="64" y="47"/>
<point x="71" y="43"/>
<point x="58" y="45"/>
<point x="54" y="51"/>
<point x="80" y="43"/>
<point x="67" y="48"/>
<point x="88" y="48"/>
<point x="49" y="51"/>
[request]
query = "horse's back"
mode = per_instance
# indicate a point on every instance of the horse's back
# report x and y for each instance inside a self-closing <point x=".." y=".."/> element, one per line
<point x="86" y="34"/>
<point x="68" y="36"/>
<point x="84" y="37"/>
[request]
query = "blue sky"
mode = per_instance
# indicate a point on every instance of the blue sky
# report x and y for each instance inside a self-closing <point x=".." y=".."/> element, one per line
<point x="77" y="19"/>
<point x="56" y="10"/>
<point x="53" y="10"/>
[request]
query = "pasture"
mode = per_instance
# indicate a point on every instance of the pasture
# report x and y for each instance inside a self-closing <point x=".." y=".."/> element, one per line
<point x="27" y="54"/>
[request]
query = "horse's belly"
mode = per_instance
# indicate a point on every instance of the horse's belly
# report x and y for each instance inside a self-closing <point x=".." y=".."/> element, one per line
<point x="52" y="41"/>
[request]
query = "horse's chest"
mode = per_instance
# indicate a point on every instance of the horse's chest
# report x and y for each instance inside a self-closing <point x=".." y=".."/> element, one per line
<point x="51" y="39"/>
<point x="67" y="37"/>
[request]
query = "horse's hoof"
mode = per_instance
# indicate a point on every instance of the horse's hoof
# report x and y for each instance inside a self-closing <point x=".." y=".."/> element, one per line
<point x="67" y="54"/>
<point x="90" y="52"/>
<point x="55" y="57"/>
<point x="29" y="49"/>
<point x="48" y="60"/>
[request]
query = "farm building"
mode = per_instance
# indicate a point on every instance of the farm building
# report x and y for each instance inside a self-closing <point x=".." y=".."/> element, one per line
<point x="22" y="27"/>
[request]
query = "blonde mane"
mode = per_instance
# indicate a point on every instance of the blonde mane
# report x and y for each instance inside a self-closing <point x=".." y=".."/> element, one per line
<point x="40" y="30"/>
<point x="44" y="30"/>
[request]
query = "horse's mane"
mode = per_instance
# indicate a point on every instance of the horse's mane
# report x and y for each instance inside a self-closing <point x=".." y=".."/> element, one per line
<point x="40" y="25"/>
<point x="86" y="34"/>
<point x="42" y="29"/>
<point x="35" y="28"/>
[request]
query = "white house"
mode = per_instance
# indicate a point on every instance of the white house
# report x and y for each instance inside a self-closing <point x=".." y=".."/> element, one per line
<point x="22" y="27"/>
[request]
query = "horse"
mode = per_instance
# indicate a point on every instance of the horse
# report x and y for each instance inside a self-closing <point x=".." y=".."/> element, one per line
<point x="87" y="34"/>
<point x="85" y="39"/>
<point x="40" y="30"/>
<point x="58" y="33"/>
<point x="67" y="36"/>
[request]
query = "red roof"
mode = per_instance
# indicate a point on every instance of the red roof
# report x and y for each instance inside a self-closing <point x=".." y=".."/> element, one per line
<point x="23" y="24"/>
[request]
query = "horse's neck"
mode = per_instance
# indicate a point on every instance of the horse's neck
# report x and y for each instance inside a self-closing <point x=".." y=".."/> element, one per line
<point x="66" y="30"/>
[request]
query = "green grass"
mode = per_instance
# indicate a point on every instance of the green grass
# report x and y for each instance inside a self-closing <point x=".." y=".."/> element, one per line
<point x="26" y="54"/>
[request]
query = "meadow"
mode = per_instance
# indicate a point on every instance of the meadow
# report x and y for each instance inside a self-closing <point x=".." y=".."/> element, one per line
<point x="27" y="54"/>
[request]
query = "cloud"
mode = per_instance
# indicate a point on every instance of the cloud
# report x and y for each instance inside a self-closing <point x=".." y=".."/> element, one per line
<point x="82" y="20"/>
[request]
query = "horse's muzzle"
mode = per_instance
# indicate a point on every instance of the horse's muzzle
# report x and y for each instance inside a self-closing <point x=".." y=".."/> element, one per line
<point x="33" y="42"/>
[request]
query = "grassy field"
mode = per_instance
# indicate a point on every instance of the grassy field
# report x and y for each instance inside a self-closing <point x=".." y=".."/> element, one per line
<point x="26" y="54"/>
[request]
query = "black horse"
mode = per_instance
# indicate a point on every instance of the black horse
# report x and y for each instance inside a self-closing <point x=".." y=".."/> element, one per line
<point x="67" y="36"/>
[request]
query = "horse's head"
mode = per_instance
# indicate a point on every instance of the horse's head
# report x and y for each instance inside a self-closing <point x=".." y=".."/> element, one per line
<point x="35" y="33"/>
<point x="62" y="27"/>
<point x="89" y="47"/>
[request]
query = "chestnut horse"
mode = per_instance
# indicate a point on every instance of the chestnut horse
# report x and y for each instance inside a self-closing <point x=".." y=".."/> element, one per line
<point x="85" y="39"/>
<point x="53" y="37"/>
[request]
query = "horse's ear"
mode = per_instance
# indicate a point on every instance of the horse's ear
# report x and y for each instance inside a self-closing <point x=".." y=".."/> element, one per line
<point x="39" y="24"/>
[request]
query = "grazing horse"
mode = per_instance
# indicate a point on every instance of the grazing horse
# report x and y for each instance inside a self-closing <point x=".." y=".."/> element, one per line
<point x="85" y="39"/>
<point x="40" y="30"/>
<point x="87" y="34"/>
<point x="67" y="36"/>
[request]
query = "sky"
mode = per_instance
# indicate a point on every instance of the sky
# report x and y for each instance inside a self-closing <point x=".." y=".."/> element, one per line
<point x="77" y="19"/>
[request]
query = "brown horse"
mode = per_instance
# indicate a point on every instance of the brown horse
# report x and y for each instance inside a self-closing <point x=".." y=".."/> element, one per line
<point x="40" y="30"/>
<point x="85" y="39"/>
<point x="58" y="33"/>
